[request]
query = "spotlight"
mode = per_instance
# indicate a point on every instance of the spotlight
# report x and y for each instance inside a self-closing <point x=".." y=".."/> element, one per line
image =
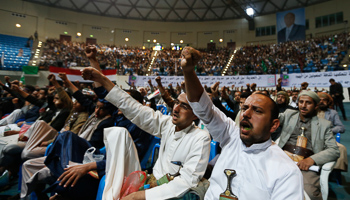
<point x="249" y="11"/>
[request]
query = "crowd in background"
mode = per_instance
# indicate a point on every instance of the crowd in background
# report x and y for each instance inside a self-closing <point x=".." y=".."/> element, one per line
<point x="315" y="54"/>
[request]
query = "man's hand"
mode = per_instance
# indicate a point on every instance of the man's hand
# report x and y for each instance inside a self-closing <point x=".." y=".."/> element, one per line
<point x="92" y="74"/>
<point x="8" y="133"/>
<point x="15" y="100"/>
<point x="90" y="52"/>
<point x="63" y="76"/>
<point x="214" y="89"/>
<point x="15" y="82"/>
<point x="22" y="137"/>
<point x="51" y="90"/>
<point x="248" y="85"/>
<point x="305" y="164"/>
<point x="51" y="78"/>
<point x="139" y="195"/>
<point x="19" y="124"/>
<point x="74" y="173"/>
<point x="149" y="82"/>
<point x="189" y="58"/>
<point x="159" y="80"/>
<point x="44" y="144"/>
<point x="170" y="85"/>
<point x="15" y="88"/>
<point x="183" y="86"/>
<point x="7" y="79"/>
<point x="223" y="93"/>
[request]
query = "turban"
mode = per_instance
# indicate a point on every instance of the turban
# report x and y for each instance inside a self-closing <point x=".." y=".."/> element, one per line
<point x="285" y="94"/>
<point x="327" y="96"/>
<point x="311" y="94"/>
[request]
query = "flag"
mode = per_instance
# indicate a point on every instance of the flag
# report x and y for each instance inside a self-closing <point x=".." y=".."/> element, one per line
<point x="23" y="79"/>
<point x="263" y="66"/>
<point x="2" y="58"/>
<point x="75" y="74"/>
<point x="154" y="94"/>
<point x="30" y="69"/>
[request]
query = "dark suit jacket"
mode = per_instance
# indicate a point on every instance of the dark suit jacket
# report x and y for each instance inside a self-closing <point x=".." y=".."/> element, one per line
<point x="297" y="33"/>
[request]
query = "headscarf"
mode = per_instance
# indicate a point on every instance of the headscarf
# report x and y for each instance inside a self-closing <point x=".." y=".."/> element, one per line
<point x="311" y="94"/>
<point x="328" y="97"/>
<point x="286" y="96"/>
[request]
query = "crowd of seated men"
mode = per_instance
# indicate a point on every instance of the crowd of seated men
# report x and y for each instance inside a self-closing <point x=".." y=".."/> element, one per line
<point x="167" y="62"/>
<point x="271" y="59"/>
<point x="313" y="55"/>
<point x="78" y="119"/>
<point x="71" y="54"/>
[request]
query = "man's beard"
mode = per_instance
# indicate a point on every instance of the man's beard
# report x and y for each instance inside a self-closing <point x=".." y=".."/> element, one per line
<point x="282" y="105"/>
<point x="323" y="107"/>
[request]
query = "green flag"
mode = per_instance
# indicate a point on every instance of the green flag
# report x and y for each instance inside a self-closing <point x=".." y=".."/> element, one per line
<point x="23" y="79"/>
<point x="263" y="66"/>
<point x="30" y="69"/>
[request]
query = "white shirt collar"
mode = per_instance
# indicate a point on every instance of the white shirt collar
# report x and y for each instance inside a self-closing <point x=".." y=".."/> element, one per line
<point x="256" y="148"/>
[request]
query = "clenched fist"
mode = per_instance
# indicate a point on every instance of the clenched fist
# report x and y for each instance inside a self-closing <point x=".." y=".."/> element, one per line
<point x="189" y="58"/>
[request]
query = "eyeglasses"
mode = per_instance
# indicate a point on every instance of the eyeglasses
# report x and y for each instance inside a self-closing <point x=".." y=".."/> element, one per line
<point x="182" y="105"/>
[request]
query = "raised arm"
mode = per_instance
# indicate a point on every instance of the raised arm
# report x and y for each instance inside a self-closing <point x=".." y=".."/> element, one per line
<point x="67" y="101"/>
<point x="200" y="102"/>
<point x="77" y="94"/>
<point x="67" y="82"/>
<point x="165" y="95"/>
<point x="90" y="52"/>
<point x="190" y="58"/>
<point x="142" y="116"/>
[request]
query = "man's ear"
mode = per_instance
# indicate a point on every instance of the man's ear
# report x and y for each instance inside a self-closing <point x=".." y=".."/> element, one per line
<point x="274" y="125"/>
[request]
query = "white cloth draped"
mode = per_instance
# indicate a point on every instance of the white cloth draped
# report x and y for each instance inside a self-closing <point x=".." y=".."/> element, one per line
<point x="122" y="159"/>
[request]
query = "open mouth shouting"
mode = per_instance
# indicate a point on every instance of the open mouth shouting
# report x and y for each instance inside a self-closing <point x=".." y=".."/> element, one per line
<point x="246" y="126"/>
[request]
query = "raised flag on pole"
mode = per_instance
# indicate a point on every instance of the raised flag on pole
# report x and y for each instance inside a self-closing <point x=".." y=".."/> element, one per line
<point x="23" y="79"/>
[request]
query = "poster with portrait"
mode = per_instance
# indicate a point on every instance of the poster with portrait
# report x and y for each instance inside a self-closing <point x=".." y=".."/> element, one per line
<point x="291" y="25"/>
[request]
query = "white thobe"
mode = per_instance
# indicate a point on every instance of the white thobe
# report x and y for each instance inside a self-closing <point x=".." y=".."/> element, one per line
<point x="190" y="146"/>
<point x="294" y="104"/>
<point x="263" y="171"/>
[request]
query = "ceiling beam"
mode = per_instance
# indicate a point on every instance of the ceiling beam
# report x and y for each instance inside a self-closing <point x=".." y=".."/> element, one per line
<point x="238" y="7"/>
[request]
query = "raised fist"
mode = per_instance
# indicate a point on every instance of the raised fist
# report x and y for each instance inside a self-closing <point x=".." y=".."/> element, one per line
<point x="63" y="76"/>
<point x="51" y="78"/>
<point x="90" y="52"/>
<point x="189" y="58"/>
<point x="159" y="80"/>
<point x="92" y="74"/>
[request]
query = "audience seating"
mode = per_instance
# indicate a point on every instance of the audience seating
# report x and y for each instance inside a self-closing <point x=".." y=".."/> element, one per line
<point x="9" y="46"/>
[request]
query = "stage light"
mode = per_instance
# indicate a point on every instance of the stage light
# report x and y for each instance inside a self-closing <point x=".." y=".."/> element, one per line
<point x="154" y="41"/>
<point x="221" y="40"/>
<point x="181" y="41"/>
<point x="79" y="34"/>
<point x="126" y="39"/>
<point x="18" y="25"/>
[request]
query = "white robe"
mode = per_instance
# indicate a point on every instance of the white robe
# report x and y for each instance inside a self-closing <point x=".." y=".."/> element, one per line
<point x="190" y="146"/>
<point x="263" y="171"/>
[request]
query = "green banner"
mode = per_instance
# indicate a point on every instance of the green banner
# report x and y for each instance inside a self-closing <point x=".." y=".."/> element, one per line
<point x="30" y="69"/>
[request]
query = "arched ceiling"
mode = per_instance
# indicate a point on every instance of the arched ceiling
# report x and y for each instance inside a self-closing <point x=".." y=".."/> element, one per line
<point x="177" y="10"/>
